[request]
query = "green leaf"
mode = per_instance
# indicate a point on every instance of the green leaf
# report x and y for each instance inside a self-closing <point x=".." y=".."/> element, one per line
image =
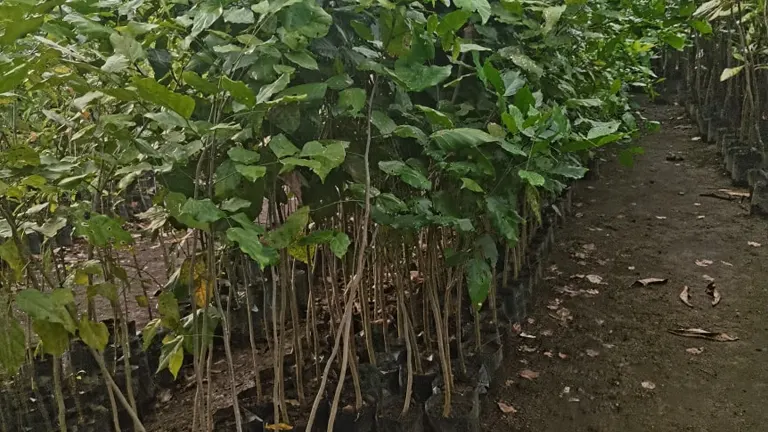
<point x="12" y="345"/>
<point x="408" y="131"/>
<point x="239" y="16"/>
<point x="351" y="100"/>
<point x="482" y="7"/>
<point x="248" y="241"/>
<point x="127" y="47"/>
<point x="234" y="204"/>
<point x="48" y="307"/>
<point x="239" y="91"/>
<point x="326" y="155"/>
<point x="503" y="217"/>
<point x="10" y="254"/>
<point x="115" y="63"/>
<point x="312" y="92"/>
<point x="461" y="138"/>
<point x="290" y="230"/>
<point x="168" y="308"/>
<point x="533" y="178"/>
<point x="478" y="281"/>
<point x="227" y="179"/>
<point x="418" y="77"/>
<point x="168" y="119"/>
<point x="383" y="122"/>
<point x="339" y="82"/>
<point x="12" y="78"/>
<point x="94" y="334"/>
<point x="198" y="83"/>
<point x="468" y="183"/>
<point x="244" y="156"/>
<point x="266" y="92"/>
<point x="339" y="244"/>
<point x="584" y="102"/>
<point x="453" y="21"/>
<point x="552" y="15"/>
<point x="172" y="355"/>
<point x="251" y="172"/>
<point x="204" y="211"/>
<point x="702" y="26"/>
<point x="149" y="332"/>
<point x="282" y="146"/>
<point x="521" y="60"/>
<point x="207" y="14"/>
<point x="570" y="171"/>
<point x="54" y="337"/>
<point x="107" y="290"/>
<point x="83" y="101"/>
<point x="302" y="58"/>
<point x="729" y="73"/>
<point x="151" y="91"/>
<point x="101" y="230"/>
<point x="15" y="30"/>
<point x="600" y="129"/>
<point x="406" y="173"/>
<point x="435" y="117"/>
<point x="675" y="41"/>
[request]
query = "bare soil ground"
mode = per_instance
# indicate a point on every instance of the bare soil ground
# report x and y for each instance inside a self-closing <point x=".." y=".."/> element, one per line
<point x="640" y="222"/>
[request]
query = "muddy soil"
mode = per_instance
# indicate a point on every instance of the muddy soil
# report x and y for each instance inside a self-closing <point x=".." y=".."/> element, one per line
<point x="646" y="221"/>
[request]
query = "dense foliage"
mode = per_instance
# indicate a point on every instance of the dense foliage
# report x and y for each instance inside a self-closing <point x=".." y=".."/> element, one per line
<point x="434" y="131"/>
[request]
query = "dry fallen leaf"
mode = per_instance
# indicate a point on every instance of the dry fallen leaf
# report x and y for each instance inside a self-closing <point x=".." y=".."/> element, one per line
<point x="685" y="296"/>
<point x="529" y="374"/>
<point x="650" y="281"/>
<point x="714" y="293"/>
<point x="703" y="334"/>
<point x="595" y="279"/>
<point x="531" y="320"/>
<point x="527" y="336"/>
<point x="736" y="193"/>
<point x="279" y="427"/>
<point x="506" y="409"/>
<point x="727" y="263"/>
<point x="661" y="217"/>
<point x="708" y="278"/>
<point x="509" y="383"/>
<point x="754" y="244"/>
<point x="631" y="268"/>
<point x="695" y="351"/>
<point x="700" y="217"/>
<point x="527" y="349"/>
<point x="696" y="138"/>
<point x="592" y="353"/>
<point x="703" y="263"/>
<point x="517" y="328"/>
<point x="548" y="354"/>
<point x="546" y="332"/>
<point x="648" y="385"/>
<point x="589" y="247"/>
<point x="562" y="355"/>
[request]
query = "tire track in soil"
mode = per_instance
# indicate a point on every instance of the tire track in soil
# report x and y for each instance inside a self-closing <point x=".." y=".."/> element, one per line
<point x="722" y="389"/>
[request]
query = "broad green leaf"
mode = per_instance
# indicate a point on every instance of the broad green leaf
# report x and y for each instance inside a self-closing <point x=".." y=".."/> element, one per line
<point x="453" y="21"/>
<point x="149" y="332"/>
<point x="266" y="92"/>
<point x="461" y="138"/>
<point x="570" y="171"/>
<point x="127" y="46"/>
<point x="249" y="242"/>
<point x="702" y="26"/>
<point x="302" y="58"/>
<point x="436" y="118"/>
<point x="325" y="155"/>
<point x="675" y="41"/>
<point x="729" y="73"/>
<point x="107" y="290"/>
<point x="101" y="230"/>
<point x="282" y="146"/>
<point x="239" y="91"/>
<point x="51" y="226"/>
<point x="115" y="63"/>
<point x="15" y="30"/>
<point x="251" y="172"/>
<point x="152" y="91"/>
<point x="339" y="244"/>
<point x="584" y="102"/>
<point x="239" y="16"/>
<point x="12" y="78"/>
<point x="12" y="345"/>
<point x="234" y="204"/>
<point x="552" y="15"/>
<point x="168" y="308"/>
<point x="418" y="77"/>
<point x="227" y="179"/>
<point x="168" y="119"/>
<point x="10" y="254"/>
<point x="83" y="101"/>
<point x="172" y="355"/>
<point x="521" y="60"/>
<point x="478" y="281"/>
<point x="204" y="211"/>
<point x="533" y="178"/>
<point x="482" y="7"/>
<point x="468" y="183"/>
<point x="339" y="82"/>
<point x="504" y="218"/>
<point x="408" y="131"/>
<point x="600" y="129"/>
<point x="198" y="83"/>
<point x="94" y="334"/>
<point x="383" y="122"/>
<point x="244" y="156"/>
<point x="351" y="100"/>
<point x="206" y="14"/>
<point x="48" y="307"/>
<point x="54" y="337"/>
<point x="406" y="173"/>
<point x="312" y="92"/>
<point x="290" y="230"/>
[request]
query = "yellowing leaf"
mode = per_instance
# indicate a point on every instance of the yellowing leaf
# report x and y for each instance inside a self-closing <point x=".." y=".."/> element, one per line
<point x="279" y="427"/>
<point x="203" y="292"/>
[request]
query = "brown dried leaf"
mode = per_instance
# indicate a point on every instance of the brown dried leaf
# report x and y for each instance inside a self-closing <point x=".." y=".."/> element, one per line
<point x="703" y="263"/>
<point x="548" y="354"/>
<point x="506" y="409"/>
<point x="529" y="374"/>
<point x="695" y="351"/>
<point x="527" y="349"/>
<point x="714" y="293"/>
<point x="735" y="193"/>
<point x="650" y="281"/>
<point x="279" y="427"/>
<point x="592" y="353"/>
<point x="685" y="296"/>
<point x="703" y="334"/>
<point x="562" y="355"/>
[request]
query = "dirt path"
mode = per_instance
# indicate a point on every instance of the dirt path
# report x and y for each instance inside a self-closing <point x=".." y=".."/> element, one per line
<point x="647" y="221"/>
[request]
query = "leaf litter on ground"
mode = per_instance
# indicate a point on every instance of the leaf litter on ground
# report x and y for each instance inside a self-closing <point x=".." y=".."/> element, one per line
<point x="649" y="281"/>
<point x="754" y="244"/>
<point x="649" y="385"/>
<point x="505" y="408"/>
<point x="529" y="374"/>
<point x="685" y="296"/>
<point x="714" y="293"/>
<point x="694" y="350"/>
<point x="703" y="334"/>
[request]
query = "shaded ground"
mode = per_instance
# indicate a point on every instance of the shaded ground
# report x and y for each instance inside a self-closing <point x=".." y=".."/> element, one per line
<point x="646" y="221"/>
